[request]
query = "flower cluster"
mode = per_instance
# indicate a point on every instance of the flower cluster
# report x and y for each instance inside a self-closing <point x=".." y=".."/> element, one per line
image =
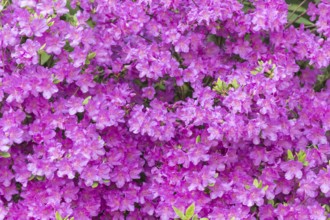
<point x="123" y="109"/>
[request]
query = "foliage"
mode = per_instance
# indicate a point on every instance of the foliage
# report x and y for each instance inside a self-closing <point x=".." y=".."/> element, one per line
<point x="189" y="214"/>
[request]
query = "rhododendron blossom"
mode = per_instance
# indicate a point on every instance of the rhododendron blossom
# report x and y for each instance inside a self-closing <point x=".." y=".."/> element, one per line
<point x="137" y="109"/>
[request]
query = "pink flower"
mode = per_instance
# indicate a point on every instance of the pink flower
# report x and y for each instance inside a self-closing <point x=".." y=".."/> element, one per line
<point x="148" y="92"/>
<point x="292" y="169"/>
<point x="75" y="105"/>
<point x="27" y="53"/>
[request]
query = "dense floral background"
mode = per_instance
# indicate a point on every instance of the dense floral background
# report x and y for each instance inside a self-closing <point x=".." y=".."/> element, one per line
<point x="136" y="109"/>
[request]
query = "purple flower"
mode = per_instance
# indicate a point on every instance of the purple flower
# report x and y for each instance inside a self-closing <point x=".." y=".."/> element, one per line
<point x="215" y="133"/>
<point x="65" y="169"/>
<point x="75" y="105"/>
<point x="220" y="188"/>
<point x="27" y="3"/>
<point x="123" y="121"/>
<point x="95" y="174"/>
<point x="39" y="26"/>
<point x="47" y="87"/>
<point x="148" y="92"/>
<point x="60" y="7"/>
<point x="27" y="53"/>
<point x="182" y="45"/>
<point x="292" y="169"/>
<point x="79" y="57"/>
<point x="308" y="186"/>
<point x="323" y="181"/>
<point x="54" y="45"/>
<point x="9" y="36"/>
<point x="252" y="196"/>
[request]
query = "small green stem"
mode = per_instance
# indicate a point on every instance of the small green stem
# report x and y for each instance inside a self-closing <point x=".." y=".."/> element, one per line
<point x="292" y="13"/>
<point x="299" y="16"/>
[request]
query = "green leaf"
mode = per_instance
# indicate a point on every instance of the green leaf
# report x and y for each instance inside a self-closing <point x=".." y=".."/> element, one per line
<point x="254" y="72"/>
<point x="256" y="183"/>
<point x="211" y="38"/>
<point x="5" y="4"/>
<point x="327" y="208"/>
<point x="72" y="19"/>
<point x="304" y="21"/>
<point x="86" y="100"/>
<point x="4" y="154"/>
<point x="218" y="40"/>
<point x="40" y="178"/>
<point x="198" y="139"/>
<point x="56" y="81"/>
<point x="51" y="23"/>
<point x="290" y="155"/>
<point x="221" y="87"/>
<point x="44" y="57"/>
<point x="71" y="10"/>
<point x="247" y="5"/>
<point x="190" y="211"/>
<point x="305" y="163"/>
<point x="301" y="156"/>
<point x="204" y="219"/>
<point x="91" y="55"/>
<point x="160" y="86"/>
<point x="271" y="202"/>
<point x="301" y="20"/>
<point x="67" y="47"/>
<point x="265" y="188"/>
<point x="58" y="216"/>
<point x="234" y="84"/>
<point x="294" y="7"/>
<point x="95" y="184"/>
<point x="195" y="217"/>
<point x="91" y="23"/>
<point x="179" y="213"/>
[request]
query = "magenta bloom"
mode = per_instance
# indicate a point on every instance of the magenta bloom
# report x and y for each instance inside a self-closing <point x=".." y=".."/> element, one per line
<point x="292" y="169"/>
<point x="27" y="53"/>
<point x="75" y="105"/>
<point x="126" y="109"/>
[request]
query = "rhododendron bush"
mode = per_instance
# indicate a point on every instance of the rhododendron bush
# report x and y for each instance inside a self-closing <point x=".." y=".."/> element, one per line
<point x="139" y="109"/>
